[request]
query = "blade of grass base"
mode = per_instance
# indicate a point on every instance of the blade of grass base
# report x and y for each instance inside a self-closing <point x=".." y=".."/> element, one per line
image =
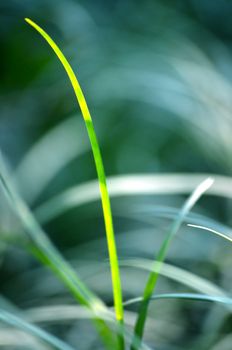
<point x="116" y="282"/>
<point x="42" y="247"/>
<point x="153" y="277"/>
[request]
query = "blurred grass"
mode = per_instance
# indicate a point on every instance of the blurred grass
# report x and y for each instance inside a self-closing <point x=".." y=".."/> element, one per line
<point x="158" y="75"/>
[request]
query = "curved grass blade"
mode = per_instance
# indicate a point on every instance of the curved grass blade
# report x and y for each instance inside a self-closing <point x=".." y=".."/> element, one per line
<point x="70" y="313"/>
<point x="117" y="291"/>
<point x="19" y="323"/>
<point x="177" y="274"/>
<point x="147" y="212"/>
<point x="60" y="313"/>
<point x="134" y="184"/>
<point x="153" y="277"/>
<point x="44" y="250"/>
<point x="187" y="296"/>
<point x="217" y="233"/>
<point x="13" y="339"/>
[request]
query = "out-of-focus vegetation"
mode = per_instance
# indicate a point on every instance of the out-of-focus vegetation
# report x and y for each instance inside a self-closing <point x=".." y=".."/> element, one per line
<point x="157" y="78"/>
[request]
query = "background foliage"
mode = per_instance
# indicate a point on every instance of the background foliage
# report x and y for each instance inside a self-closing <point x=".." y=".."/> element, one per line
<point x="157" y="78"/>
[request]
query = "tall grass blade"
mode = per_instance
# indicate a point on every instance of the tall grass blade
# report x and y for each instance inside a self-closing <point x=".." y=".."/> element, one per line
<point x="47" y="253"/>
<point x="100" y="172"/>
<point x="18" y="322"/>
<point x="153" y="277"/>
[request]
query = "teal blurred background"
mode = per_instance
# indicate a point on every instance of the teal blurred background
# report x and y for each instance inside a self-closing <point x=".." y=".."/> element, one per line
<point x="157" y="78"/>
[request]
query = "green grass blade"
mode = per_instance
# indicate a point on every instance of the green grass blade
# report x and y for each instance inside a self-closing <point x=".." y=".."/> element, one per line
<point x="153" y="277"/>
<point x="185" y="296"/>
<point x="129" y="185"/>
<point x="59" y="313"/>
<point x="100" y="172"/>
<point x="177" y="274"/>
<point x="42" y="247"/>
<point x="27" y="327"/>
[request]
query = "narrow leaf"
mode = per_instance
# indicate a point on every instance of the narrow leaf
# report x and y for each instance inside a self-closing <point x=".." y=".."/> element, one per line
<point x="223" y="235"/>
<point x="117" y="291"/>
<point x="131" y="185"/>
<point x="187" y="296"/>
<point x="19" y="323"/>
<point x="153" y="277"/>
<point x="177" y="274"/>
<point x="47" y="253"/>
